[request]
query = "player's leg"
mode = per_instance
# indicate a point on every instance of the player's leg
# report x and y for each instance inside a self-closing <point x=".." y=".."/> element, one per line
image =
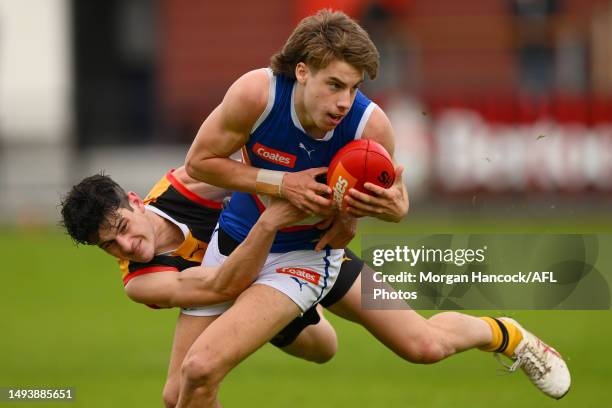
<point x="421" y="340"/>
<point x="410" y="335"/>
<point x="310" y="337"/>
<point x="188" y="328"/>
<point x="316" y="342"/>
<point x="257" y="315"/>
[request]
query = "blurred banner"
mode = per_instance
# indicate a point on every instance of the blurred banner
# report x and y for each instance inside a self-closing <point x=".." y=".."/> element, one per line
<point x="472" y="155"/>
<point x="487" y="97"/>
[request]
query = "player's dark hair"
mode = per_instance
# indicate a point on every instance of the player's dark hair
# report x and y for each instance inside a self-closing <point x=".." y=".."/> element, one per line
<point x="319" y="39"/>
<point x="90" y="205"/>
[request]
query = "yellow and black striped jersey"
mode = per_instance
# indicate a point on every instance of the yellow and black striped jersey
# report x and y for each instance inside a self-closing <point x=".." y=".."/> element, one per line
<point x="195" y="215"/>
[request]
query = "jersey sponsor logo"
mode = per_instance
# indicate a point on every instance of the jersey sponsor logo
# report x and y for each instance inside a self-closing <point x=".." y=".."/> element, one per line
<point x="302" y="273"/>
<point x="274" y="156"/>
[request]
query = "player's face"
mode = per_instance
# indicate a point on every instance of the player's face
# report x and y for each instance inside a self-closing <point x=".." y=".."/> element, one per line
<point x="328" y="94"/>
<point x="128" y="235"/>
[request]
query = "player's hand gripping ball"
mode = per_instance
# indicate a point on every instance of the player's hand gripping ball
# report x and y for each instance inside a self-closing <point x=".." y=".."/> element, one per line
<point x="357" y="163"/>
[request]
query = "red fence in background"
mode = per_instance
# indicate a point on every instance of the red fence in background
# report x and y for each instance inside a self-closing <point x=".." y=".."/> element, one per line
<point x="502" y="144"/>
<point x="206" y="45"/>
<point x="564" y="109"/>
<point x="479" y="130"/>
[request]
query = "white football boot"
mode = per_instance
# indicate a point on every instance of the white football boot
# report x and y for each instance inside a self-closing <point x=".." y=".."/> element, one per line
<point x="543" y="364"/>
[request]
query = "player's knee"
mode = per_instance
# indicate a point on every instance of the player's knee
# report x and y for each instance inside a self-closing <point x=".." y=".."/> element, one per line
<point x="170" y="396"/>
<point x="431" y="351"/>
<point x="198" y="371"/>
<point x="326" y="343"/>
<point x="423" y="350"/>
<point x="326" y="352"/>
<point x="317" y="344"/>
<point x="326" y="355"/>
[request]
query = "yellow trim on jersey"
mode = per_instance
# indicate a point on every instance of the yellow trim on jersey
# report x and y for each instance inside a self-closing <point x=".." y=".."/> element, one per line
<point x="158" y="189"/>
<point x="124" y="265"/>
<point x="192" y="249"/>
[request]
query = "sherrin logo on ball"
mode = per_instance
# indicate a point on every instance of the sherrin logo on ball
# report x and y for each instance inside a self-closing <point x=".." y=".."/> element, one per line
<point x="357" y="163"/>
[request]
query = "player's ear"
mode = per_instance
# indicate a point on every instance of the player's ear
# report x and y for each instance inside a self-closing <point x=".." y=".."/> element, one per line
<point x="135" y="200"/>
<point x="301" y="72"/>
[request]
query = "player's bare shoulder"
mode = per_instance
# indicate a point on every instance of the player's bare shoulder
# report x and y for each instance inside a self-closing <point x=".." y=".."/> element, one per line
<point x="228" y="127"/>
<point x="247" y="98"/>
<point x="378" y="128"/>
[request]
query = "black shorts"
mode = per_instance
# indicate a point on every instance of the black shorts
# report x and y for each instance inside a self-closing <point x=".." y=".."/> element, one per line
<point x="349" y="271"/>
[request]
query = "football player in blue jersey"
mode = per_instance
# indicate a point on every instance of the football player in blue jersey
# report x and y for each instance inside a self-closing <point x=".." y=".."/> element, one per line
<point x="289" y="120"/>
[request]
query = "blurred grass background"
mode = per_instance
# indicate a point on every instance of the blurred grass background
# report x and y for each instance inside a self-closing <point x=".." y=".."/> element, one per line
<point x="67" y="323"/>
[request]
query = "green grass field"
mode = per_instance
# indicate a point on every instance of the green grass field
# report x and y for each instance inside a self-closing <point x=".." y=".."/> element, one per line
<point x="66" y="323"/>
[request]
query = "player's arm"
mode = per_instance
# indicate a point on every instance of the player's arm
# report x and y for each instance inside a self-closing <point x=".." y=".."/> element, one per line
<point x="204" y="190"/>
<point x="201" y="286"/>
<point x="386" y="204"/>
<point x="227" y="129"/>
<point x="169" y="288"/>
<point x="341" y="230"/>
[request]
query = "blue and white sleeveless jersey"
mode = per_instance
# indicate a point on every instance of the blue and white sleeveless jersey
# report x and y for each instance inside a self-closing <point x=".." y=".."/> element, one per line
<point x="278" y="142"/>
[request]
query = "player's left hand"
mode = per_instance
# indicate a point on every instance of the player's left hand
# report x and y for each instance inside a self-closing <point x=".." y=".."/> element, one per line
<point x="385" y="204"/>
<point x="343" y="229"/>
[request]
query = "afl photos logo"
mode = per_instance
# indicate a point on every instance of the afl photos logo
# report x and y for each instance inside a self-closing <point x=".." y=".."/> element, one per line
<point x="274" y="156"/>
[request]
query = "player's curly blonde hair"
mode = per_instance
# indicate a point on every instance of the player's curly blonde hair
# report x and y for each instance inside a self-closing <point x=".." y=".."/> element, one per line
<point x="319" y="39"/>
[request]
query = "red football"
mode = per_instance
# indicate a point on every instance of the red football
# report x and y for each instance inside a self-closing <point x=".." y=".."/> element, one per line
<point x="359" y="162"/>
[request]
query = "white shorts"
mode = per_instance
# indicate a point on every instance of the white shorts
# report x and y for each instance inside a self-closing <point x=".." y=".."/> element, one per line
<point x="304" y="276"/>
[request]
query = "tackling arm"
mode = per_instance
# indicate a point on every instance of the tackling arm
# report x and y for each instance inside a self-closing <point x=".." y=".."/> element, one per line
<point x="201" y="285"/>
